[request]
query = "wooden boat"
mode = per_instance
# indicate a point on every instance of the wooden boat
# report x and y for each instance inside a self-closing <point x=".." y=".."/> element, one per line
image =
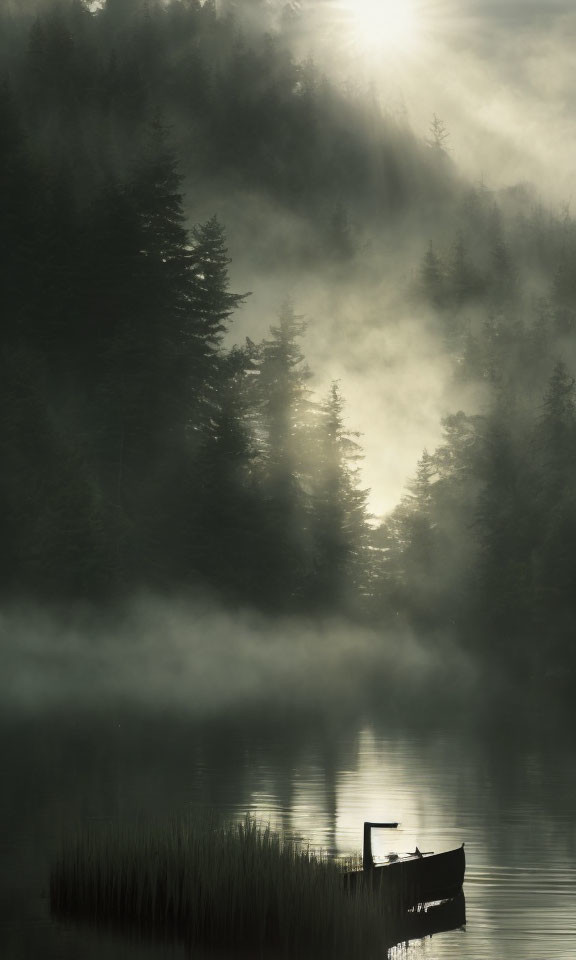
<point x="413" y="879"/>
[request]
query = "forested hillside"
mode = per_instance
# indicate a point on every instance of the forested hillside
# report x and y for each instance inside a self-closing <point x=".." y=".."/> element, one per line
<point x="140" y="450"/>
<point x="137" y="451"/>
<point x="485" y="536"/>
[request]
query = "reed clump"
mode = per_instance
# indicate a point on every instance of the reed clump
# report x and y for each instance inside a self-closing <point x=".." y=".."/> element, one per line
<point x="235" y="885"/>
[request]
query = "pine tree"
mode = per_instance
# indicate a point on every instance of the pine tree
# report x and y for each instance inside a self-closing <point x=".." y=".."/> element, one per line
<point x="504" y="529"/>
<point x="418" y="506"/>
<point x="168" y="304"/>
<point x="413" y="528"/>
<point x="166" y="343"/>
<point x="557" y="428"/>
<point x="564" y="294"/>
<point x="285" y="415"/>
<point x="339" y="513"/>
<point x="285" y="397"/>
<point x="185" y="280"/>
<point x="503" y="272"/>
<point x="433" y="280"/>
<point x="555" y="524"/>
<point x="464" y="280"/>
<point x="439" y="136"/>
<point x="211" y="302"/>
<point x="224" y="535"/>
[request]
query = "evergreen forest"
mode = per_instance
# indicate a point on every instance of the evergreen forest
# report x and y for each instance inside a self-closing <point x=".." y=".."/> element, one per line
<point x="144" y="447"/>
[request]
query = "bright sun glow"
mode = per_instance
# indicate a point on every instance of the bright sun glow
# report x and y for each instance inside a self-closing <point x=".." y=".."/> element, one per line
<point x="382" y="24"/>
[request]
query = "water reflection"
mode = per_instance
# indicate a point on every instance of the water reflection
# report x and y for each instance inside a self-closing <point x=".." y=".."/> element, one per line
<point x="511" y="802"/>
<point x="429" y="922"/>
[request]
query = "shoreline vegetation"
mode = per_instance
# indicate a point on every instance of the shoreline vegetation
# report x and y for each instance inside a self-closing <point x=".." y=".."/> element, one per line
<point x="216" y="886"/>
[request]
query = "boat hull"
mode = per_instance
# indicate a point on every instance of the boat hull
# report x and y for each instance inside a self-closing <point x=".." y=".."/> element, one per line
<point x="417" y="880"/>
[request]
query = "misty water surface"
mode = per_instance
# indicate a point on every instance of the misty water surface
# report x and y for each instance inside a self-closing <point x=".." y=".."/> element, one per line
<point x="511" y="802"/>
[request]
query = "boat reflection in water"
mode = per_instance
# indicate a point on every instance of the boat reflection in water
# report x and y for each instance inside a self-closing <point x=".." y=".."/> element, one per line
<point x="429" y="920"/>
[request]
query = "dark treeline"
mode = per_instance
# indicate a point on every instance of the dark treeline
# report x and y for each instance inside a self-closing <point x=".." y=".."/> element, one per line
<point x="245" y="115"/>
<point x="485" y="537"/>
<point x="140" y="450"/>
<point x="137" y="451"/>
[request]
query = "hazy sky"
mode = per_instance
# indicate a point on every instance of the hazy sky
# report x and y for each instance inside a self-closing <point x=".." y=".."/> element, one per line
<point x="507" y="87"/>
<point x="500" y="72"/>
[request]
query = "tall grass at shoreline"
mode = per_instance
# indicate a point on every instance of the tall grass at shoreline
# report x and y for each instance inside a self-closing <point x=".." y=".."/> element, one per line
<point x="235" y="885"/>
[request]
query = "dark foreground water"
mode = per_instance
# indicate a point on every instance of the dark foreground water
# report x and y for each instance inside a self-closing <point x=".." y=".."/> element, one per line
<point x="510" y="796"/>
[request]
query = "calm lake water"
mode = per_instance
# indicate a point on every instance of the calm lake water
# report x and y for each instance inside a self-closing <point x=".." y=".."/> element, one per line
<point x="511" y="797"/>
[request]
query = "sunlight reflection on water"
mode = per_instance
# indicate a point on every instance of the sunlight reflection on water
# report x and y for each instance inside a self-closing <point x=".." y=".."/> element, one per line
<point x="521" y="874"/>
<point x="512" y="805"/>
